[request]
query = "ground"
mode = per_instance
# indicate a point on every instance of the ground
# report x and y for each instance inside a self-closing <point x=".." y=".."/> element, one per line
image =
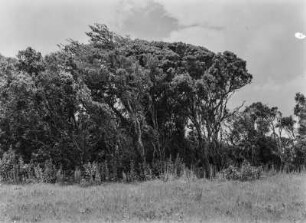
<point x="277" y="198"/>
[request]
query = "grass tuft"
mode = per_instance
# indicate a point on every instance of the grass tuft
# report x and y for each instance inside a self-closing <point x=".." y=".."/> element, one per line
<point x="277" y="198"/>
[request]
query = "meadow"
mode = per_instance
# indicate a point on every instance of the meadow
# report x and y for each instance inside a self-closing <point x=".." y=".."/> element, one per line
<point x="273" y="198"/>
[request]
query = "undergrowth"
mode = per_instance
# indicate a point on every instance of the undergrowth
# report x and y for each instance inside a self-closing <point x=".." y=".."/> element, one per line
<point x="15" y="171"/>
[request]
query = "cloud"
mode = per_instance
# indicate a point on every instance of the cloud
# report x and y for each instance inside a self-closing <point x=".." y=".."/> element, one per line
<point x="204" y="26"/>
<point x="199" y="36"/>
<point x="192" y="12"/>
<point x="261" y="32"/>
<point x="148" y="20"/>
<point x="44" y="24"/>
<point x="272" y="93"/>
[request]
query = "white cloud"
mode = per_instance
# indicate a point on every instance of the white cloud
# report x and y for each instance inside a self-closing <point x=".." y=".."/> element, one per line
<point x="299" y="35"/>
<point x="44" y="24"/>
<point x="195" y="11"/>
<point x="272" y="93"/>
<point x="199" y="36"/>
<point x="148" y="20"/>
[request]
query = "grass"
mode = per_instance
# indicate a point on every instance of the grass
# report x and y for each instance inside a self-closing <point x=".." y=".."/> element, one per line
<point x="278" y="198"/>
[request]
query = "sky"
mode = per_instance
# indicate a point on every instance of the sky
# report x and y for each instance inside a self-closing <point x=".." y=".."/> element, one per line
<point x="258" y="31"/>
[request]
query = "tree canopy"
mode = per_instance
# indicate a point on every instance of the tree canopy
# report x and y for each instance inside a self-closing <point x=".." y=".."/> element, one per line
<point x="128" y="102"/>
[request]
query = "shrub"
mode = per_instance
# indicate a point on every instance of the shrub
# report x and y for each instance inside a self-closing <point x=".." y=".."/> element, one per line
<point x="60" y="176"/>
<point x="97" y="168"/>
<point x="132" y="175"/>
<point x="248" y="172"/>
<point x="114" y="170"/>
<point x="39" y="174"/>
<point x="49" y="172"/>
<point x="105" y="175"/>
<point x="12" y="168"/>
<point x="147" y="172"/>
<point x="77" y="175"/>
<point x="245" y="173"/>
<point x="92" y="173"/>
<point x="89" y="172"/>
<point x="172" y="169"/>
<point x="231" y="173"/>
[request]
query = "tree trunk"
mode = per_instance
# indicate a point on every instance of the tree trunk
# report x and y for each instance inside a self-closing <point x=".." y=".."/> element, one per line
<point x="139" y="143"/>
<point x="203" y="149"/>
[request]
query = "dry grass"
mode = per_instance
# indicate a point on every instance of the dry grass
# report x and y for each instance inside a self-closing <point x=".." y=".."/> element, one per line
<point x="279" y="198"/>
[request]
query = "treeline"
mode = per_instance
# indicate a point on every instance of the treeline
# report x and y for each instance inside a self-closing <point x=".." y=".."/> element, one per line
<point x="131" y="107"/>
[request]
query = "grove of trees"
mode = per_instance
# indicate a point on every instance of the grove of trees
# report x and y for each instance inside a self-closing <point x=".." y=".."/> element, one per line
<point x="132" y="105"/>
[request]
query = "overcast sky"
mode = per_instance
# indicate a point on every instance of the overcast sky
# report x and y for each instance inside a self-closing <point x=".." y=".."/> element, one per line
<point x="259" y="31"/>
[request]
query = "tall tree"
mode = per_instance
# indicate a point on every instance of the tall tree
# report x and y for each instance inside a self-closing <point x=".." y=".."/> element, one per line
<point x="205" y="95"/>
<point x="254" y="134"/>
<point x="300" y="111"/>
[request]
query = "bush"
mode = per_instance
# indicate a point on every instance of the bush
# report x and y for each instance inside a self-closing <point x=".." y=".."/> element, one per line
<point x="60" y="176"/>
<point x="39" y="174"/>
<point x="231" y="173"/>
<point x="132" y="175"/>
<point x="77" y="175"/>
<point x="245" y="173"/>
<point x="11" y="167"/>
<point x="249" y="172"/>
<point x="92" y="173"/>
<point x="49" y="172"/>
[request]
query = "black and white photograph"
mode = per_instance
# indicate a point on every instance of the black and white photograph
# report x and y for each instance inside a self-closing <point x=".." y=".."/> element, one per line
<point x="153" y="111"/>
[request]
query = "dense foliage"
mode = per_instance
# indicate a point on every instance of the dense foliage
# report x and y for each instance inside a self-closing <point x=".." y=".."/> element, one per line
<point x="120" y="108"/>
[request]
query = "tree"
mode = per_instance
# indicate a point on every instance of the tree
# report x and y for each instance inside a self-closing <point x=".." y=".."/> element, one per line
<point x="30" y="61"/>
<point x="160" y="87"/>
<point x="114" y="80"/>
<point x="204" y="96"/>
<point x="300" y="111"/>
<point x="253" y="133"/>
<point x="115" y="99"/>
<point x="18" y="120"/>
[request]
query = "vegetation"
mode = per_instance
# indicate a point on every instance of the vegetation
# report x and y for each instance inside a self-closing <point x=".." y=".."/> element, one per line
<point x="118" y="109"/>
<point x="277" y="198"/>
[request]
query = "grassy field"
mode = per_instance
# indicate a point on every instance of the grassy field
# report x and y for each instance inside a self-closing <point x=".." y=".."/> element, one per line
<point x="278" y="198"/>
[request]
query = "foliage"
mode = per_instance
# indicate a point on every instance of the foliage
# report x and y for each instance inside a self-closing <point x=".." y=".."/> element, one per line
<point x="118" y="109"/>
<point x="9" y="167"/>
<point x="300" y="111"/>
<point x="245" y="173"/>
